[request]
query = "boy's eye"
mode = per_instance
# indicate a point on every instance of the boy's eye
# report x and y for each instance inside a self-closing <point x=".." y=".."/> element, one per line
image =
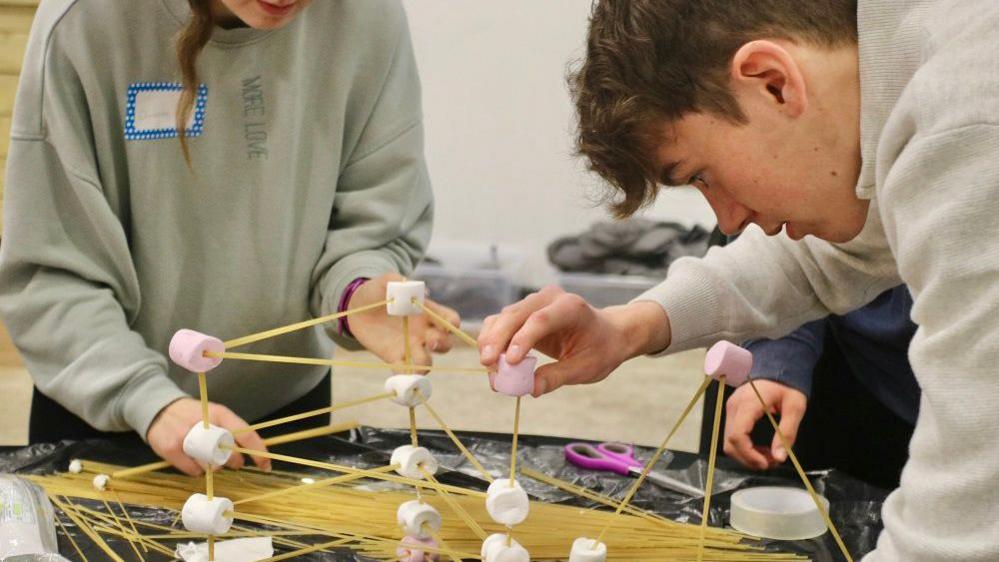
<point x="697" y="179"/>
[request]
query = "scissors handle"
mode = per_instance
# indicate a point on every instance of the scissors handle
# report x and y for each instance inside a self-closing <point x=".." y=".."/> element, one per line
<point x="587" y="456"/>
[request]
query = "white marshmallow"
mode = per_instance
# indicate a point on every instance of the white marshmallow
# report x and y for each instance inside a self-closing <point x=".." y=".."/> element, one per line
<point x="400" y="296"/>
<point x="211" y="446"/>
<point x="405" y="387"/>
<point x="583" y="551"/>
<point x="413" y="515"/>
<point x="507" y="504"/>
<point x="101" y="482"/>
<point x="201" y="515"/>
<point x="76" y="466"/>
<point x="495" y="549"/>
<point x="409" y="459"/>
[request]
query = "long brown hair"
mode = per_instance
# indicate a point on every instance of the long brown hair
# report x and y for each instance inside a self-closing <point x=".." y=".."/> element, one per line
<point x="190" y="41"/>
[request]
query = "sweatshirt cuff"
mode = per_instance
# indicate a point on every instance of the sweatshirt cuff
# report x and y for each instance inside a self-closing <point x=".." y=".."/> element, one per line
<point x="144" y="397"/>
<point x="690" y="303"/>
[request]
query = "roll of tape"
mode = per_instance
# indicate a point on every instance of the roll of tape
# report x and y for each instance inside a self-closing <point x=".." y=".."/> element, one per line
<point x="775" y="512"/>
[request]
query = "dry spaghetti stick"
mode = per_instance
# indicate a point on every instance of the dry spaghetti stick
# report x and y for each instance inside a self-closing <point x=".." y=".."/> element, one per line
<point x="234" y="343"/>
<point x="277" y="440"/>
<point x="339" y="363"/>
<point x="448" y="326"/>
<point x="86" y="528"/>
<point x="455" y="506"/>
<point x="203" y="390"/>
<point x="311" y="433"/>
<point x="801" y="473"/>
<point x="307" y="550"/>
<point x="513" y="454"/>
<point x="468" y="455"/>
<point x="129" y="518"/>
<point x="319" y="484"/>
<point x="655" y="457"/>
<point x="313" y="413"/>
<point x="71" y="540"/>
<point x="440" y="541"/>
<point x="711" y="466"/>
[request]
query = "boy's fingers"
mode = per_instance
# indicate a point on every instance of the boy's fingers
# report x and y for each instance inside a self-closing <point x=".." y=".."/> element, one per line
<point x="185" y="464"/>
<point x="495" y="338"/>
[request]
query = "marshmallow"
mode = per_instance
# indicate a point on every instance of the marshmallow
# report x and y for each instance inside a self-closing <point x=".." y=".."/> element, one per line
<point x="400" y="296"/>
<point x="726" y="358"/>
<point x="405" y="387"/>
<point x="410" y="549"/>
<point x="409" y="459"/>
<point x="495" y="549"/>
<point x="101" y="482"/>
<point x="211" y="517"/>
<point x="211" y="446"/>
<point x="413" y="515"/>
<point x="514" y="380"/>
<point x="187" y="349"/>
<point x="584" y="551"/>
<point x="76" y="466"/>
<point x="507" y="504"/>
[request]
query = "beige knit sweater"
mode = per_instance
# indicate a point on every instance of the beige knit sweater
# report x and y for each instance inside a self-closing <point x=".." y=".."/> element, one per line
<point x="930" y="144"/>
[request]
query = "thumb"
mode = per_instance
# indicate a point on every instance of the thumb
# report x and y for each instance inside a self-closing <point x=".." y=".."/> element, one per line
<point x="552" y="376"/>
<point x="792" y="410"/>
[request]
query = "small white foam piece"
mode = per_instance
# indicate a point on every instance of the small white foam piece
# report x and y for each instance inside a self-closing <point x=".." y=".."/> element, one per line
<point x="247" y="549"/>
<point x="201" y="515"/>
<point x="413" y="515"/>
<point x="409" y="459"/>
<point x="101" y="482"/>
<point x="211" y="446"/>
<point x="76" y="466"/>
<point x="584" y="551"/>
<point x="401" y="296"/>
<point x="495" y="549"/>
<point x="507" y="504"/>
<point x="405" y="386"/>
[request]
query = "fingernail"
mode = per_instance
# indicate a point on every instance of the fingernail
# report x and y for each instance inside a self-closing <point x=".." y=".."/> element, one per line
<point x="780" y="454"/>
<point x="487" y="352"/>
<point x="514" y="351"/>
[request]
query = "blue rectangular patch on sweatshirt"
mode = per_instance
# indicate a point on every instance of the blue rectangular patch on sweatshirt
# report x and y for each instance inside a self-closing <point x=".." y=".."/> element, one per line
<point x="151" y="111"/>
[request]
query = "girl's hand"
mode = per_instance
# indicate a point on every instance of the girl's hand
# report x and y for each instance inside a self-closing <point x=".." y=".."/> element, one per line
<point x="166" y="434"/>
<point x="588" y="343"/>
<point x="381" y="334"/>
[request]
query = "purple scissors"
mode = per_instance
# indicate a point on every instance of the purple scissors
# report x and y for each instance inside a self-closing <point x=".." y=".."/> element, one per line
<point x="620" y="459"/>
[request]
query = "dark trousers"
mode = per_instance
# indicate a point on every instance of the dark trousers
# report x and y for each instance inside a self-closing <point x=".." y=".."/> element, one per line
<point x="845" y="426"/>
<point x="50" y="422"/>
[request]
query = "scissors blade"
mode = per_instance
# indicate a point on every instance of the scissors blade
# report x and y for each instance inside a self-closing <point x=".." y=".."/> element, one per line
<point x="670" y="483"/>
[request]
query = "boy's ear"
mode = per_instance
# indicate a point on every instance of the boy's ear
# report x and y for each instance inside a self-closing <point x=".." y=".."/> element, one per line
<point x="766" y="69"/>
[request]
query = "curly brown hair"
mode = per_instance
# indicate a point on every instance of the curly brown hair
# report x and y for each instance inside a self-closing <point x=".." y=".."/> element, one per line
<point x="650" y="62"/>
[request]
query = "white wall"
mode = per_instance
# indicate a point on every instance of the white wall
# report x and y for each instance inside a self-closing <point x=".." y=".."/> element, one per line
<point x="499" y="123"/>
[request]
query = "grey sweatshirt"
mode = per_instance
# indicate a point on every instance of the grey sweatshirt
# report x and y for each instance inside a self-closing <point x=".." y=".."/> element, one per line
<point x="929" y="75"/>
<point x="308" y="166"/>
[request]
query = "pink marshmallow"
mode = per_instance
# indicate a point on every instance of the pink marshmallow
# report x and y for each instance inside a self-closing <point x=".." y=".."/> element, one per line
<point x="726" y="358"/>
<point x="187" y="349"/>
<point x="514" y="380"/>
<point x="410" y="549"/>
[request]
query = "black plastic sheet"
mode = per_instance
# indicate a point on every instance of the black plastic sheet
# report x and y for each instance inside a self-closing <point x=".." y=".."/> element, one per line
<point x="855" y="507"/>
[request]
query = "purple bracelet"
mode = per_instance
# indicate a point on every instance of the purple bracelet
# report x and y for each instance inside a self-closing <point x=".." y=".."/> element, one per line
<point x="343" y="327"/>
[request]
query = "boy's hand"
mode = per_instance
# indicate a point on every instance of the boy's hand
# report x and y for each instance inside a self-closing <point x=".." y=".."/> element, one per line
<point x="166" y="434"/>
<point x="588" y="343"/>
<point x="743" y="410"/>
<point x="381" y="334"/>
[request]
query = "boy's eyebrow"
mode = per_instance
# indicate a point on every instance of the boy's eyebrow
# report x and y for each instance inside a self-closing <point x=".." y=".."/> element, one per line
<point x="666" y="176"/>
